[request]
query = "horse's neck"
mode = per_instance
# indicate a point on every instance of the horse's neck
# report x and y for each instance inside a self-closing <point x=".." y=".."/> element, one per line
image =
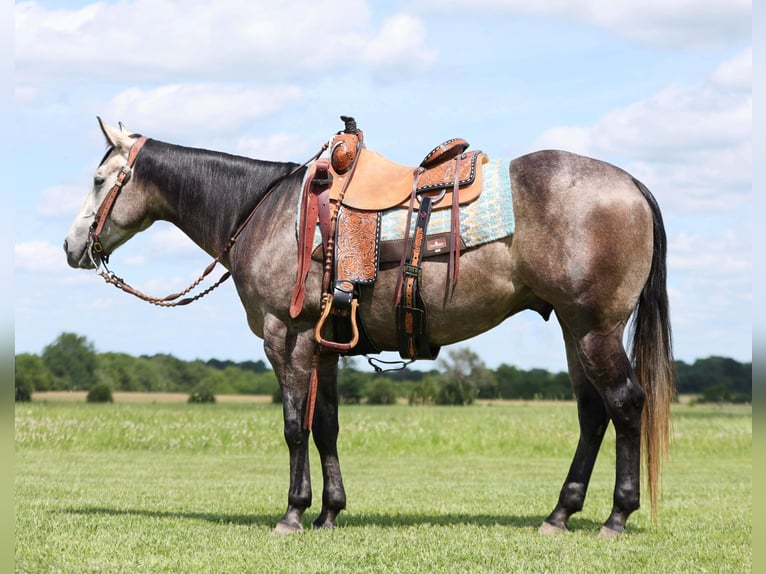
<point x="208" y="194"/>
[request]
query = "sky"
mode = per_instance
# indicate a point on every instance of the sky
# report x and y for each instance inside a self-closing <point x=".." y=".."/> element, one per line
<point x="661" y="88"/>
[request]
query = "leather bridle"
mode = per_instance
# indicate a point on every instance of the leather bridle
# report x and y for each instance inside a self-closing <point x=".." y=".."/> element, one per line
<point x="94" y="233"/>
<point x="96" y="250"/>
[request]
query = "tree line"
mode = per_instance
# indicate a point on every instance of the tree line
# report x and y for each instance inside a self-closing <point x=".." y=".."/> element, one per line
<point x="71" y="362"/>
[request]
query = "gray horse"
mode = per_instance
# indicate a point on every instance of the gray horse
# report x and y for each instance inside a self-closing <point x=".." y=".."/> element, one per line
<point x="589" y="244"/>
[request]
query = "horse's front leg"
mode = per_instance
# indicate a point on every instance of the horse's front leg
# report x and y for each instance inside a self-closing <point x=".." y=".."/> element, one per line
<point x="290" y="355"/>
<point x="325" y="429"/>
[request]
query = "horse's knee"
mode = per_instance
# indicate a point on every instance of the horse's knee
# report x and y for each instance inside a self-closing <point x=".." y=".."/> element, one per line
<point x="608" y="367"/>
<point x="295" y="435"/>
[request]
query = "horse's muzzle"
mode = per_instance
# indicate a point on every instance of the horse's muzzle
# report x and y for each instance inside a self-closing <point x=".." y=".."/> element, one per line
<point x="82" y="260"/>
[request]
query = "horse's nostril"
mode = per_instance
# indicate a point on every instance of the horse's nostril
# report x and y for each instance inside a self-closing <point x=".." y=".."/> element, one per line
<point x="65" y="246"/>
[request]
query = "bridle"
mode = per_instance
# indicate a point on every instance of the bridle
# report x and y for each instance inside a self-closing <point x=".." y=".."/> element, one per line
<point x="100" y="259"/>
<point x="94" y="233"/>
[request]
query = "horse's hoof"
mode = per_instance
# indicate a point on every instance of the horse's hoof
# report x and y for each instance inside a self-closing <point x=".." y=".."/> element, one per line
<point x="325" y="520"/>
<point x="609" y="533"/>
<point x="283" y="528"/>
<point x="548" y="529"/>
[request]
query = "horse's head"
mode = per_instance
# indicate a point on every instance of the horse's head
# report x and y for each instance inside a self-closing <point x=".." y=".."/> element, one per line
<point x="115" y="208"/>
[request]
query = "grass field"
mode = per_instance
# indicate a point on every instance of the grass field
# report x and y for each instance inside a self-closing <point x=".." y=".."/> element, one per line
<point x="157" y="486"/>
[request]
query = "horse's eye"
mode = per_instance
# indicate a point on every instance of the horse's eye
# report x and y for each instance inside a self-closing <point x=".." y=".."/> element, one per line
<point x="99" y="180"/>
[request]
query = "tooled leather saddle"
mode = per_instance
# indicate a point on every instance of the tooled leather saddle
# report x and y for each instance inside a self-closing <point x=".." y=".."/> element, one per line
<point x="344" y="195"/>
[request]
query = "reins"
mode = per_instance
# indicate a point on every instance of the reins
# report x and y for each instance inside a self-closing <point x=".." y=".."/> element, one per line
<point x="171" y="300"/>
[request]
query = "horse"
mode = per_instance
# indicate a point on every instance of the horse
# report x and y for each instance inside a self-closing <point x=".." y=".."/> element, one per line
<point x="589" y="245"/>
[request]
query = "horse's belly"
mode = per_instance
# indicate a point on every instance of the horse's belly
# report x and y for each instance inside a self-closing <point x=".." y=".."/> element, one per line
<point x="484" y="296"/>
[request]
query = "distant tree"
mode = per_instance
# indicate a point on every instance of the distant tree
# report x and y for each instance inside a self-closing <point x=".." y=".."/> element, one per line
<point x="351" y="382"/>
<point x="253" y="366"/>
<point x="381" y="393"/>
<point x="508" y="378"/>
<point x="239" y="381"/>
<point x="124" y="372"/>
<point x="265" y="383"/>
<point x="716" y="394"/>
<point x="559" y="387"/>
<point x="427" y="391"/>
<point x="465" y="376"/>
<point x="72" y="361"/>
<point x="31" y="375"/>
<point x="176" y="375"/>
<point x="718" y="379"/>
<point x="217" y="382"/>
<point x="454" y="393"/>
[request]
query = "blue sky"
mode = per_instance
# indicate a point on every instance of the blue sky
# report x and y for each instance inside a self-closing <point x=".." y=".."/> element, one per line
<point x="661" y="88"/>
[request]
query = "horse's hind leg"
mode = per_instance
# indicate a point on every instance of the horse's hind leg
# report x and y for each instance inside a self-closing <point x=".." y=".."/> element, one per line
<point x="606" y="365"/>
<point x="624" y="400"/>
<point x="593" y="420"/>
<point x="325" y="429"/>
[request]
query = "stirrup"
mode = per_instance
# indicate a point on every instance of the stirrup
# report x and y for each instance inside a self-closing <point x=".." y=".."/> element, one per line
<point x="339" y="347"/>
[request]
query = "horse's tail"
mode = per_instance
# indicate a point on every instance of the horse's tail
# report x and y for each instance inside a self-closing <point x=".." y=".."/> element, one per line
<point x="652" y="355"/>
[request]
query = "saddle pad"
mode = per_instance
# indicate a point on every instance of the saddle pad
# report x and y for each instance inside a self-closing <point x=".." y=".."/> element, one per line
<point x="489" y="218"/>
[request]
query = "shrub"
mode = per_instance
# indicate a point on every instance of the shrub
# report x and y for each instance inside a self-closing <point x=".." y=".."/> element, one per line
<point x="23" y="391"/>
<point x="201" y="394"/>
<point x="456" y="394"/>
<point x="426" y="392"/>
<point x="100" y="393"/>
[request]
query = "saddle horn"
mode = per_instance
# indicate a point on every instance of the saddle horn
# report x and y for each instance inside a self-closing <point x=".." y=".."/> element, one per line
<point x="350" y="125"/>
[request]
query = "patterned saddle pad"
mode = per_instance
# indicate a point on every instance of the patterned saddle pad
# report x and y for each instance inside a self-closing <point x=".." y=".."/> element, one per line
<point x="487" y="219"/>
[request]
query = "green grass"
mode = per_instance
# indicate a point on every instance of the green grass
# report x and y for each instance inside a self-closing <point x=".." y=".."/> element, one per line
<point x="197" y="488"/>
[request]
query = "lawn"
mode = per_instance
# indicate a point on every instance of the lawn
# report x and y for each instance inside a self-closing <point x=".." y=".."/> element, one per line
<point x="170" y="487"/>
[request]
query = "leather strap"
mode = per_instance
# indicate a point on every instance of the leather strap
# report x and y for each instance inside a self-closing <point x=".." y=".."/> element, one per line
<point x="317" y="185"/>
<point x="454" y="251"/>
<point x="411" y="323"/>
<point x="106" y="206"/>
<point x="406" y="249"/>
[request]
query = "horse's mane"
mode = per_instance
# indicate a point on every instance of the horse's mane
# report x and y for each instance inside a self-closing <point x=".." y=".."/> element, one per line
<point x="209" y="190"/>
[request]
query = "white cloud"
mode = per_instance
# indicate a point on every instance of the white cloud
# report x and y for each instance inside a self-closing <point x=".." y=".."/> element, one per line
<point x="679" y="23"/>
<point x="694" y="141"/>
<point x="735" y="74"/>
<point x="398" y="47"/>
<point x="39" y="256"/>
<point x="159" y="40"/>
<point x="188" y="108"/>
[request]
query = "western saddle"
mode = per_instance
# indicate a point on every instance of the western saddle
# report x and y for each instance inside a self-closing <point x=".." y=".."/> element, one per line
<point x="345" y="194"/>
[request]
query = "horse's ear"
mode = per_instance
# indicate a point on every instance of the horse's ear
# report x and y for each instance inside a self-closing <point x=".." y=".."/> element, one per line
<point x="118" y="138"/>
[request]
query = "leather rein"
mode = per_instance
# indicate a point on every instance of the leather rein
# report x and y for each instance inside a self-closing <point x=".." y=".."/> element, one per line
<point x="99" y="259"/>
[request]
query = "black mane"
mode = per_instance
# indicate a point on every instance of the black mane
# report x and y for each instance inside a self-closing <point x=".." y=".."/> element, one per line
<point x="209" y="192"/>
